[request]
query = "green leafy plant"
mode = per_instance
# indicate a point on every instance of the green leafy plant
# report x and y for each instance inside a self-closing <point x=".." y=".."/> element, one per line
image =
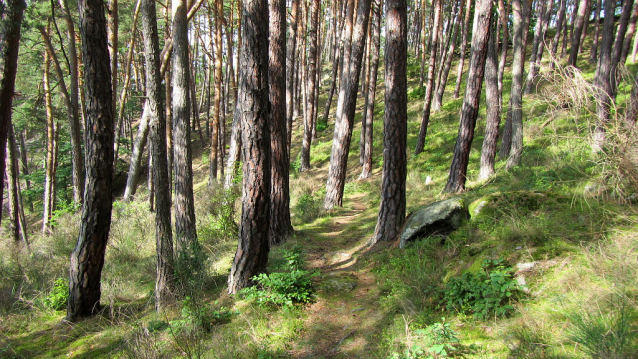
<point x="322" y="124"/>
<point x="308" y="207"/>
<point x="438" y="340"/>
<point x="59" y="295"/>
<point x="201" y="316"/>
<point x="489" y="292"/>
<point x="284" y="289"/>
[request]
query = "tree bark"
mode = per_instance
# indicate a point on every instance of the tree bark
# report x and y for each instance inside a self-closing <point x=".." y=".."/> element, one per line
<point x="16" y="212"/>
<point x="346" y="107"/>
<point x="393" y="194"/>
<point x="440" y="90"/>
<point x="164" y="282"/>
<point x="291" y="69"/>
<point x="466" y="26"/>
<point x="370" y="100"/>
<point x="576" y="33"/>
<point x="437" y="24"/>
<point x="219" y="13"/>
<point x="51" y="163"/>
<point x="87" y="259"/>
<point x="311" y="80"/>
<point x="280" y="226"/>
<point x="593" y="55"/>
<point x="185" y="225"/>
<point x="538" y="46"/>
<point x="559" y="27"/>
<point x="629" y="36"/>
<point x="493" y="117"/>
<point x="253" y="247"/>
<point x="469" y="111"/>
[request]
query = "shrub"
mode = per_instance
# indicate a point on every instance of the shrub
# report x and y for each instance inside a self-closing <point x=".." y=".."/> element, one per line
<point x="309" y="207"/>
<point x="486" y="293"/>
<point x="200" y="316"/>
<point x="284" y="289"/>
<point x="438" y="340"/>
<point x="59" y="295"/>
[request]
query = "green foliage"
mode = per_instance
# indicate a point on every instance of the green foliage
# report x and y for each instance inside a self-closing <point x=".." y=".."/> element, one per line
<point x="189" y="266"/>
<point x="606" y="335"/>
<point x="284" y="289"/>
<point x="309" y="207"/>
<point x="416" y="93"/>
<point x="157" y="326"/>
<point x="438" y="340"/>
<point x="200" y="316"/>
<point x="322" y="124"/>
<point x="487" y="293"/>
<point x="59" y="295"/>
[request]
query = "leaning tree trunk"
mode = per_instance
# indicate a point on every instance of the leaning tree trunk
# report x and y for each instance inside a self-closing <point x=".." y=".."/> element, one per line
<point x="253" y="247"/>
<point x="559" y="26"/>
<point x="395" y="125"/>
<point x="440" y="89"/>
<point x="87" y="258"/>
<point x="437" y="24"/>
<point x="346" y="107"/>
<point x="280" y="226"/>
<point x="164" y="282"/>
<point x="472" y="98"/>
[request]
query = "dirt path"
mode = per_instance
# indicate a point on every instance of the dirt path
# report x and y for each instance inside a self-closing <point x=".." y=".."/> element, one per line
<point x="341" y="323"/>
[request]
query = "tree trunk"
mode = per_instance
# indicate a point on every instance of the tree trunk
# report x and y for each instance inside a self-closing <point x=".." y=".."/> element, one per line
<point x="593" y="55"/>
<point x="559" y="27"/>
<point x="234" y="150"/>
<point x="113" y="24"/>
<point x="504" y="16"/>
<point x="10" y="22"/>
<point x="291" y="70"/>
<point x="51" y="163"/>
<point x="578" y="29"/>
<point x="185" y="226"/>
<point x="87" y="258"/>
<point x="311" y="80"/>
<point x="370" y="100"/>
<point x="466" y="25"/>
<point x="253" y="247"/>
<point x="629" y="36"/>
<point x="164" y="282"/>
<point x="136" y="156"/>
<point x="493" y="117"/>
<point x="538" y="46"/>
<point x="16" y="213"/>
<point x="440" y="90"/>
<point x="219" y="13"/>
<point x="521" y="12"/>
<point x="472" y="98"/>
<point x="280" y="226"/>
<point x="437" y="25"/>
<point x="346" y="107"/>
<point x="393" y="194"/>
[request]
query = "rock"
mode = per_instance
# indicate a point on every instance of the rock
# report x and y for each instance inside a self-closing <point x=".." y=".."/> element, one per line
<point x="525" y="266"/>
<point x="439" y="218"/>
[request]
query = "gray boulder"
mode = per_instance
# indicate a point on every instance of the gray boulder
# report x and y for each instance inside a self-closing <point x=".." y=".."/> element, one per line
<point x="439" y="218"/>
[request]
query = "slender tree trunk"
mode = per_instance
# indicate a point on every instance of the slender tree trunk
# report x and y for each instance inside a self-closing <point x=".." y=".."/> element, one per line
<point x="234" y="150"/>
<point x="291" y="70"/>
<point x="164" y="283"/>
<point x="280" y="226"/>
<point x="542" y="21"/>
<point x="466" y="26"/>
<point x="370" y="100"/>
<point x="472" y="98"/>
<point x="16" y="213"/>
<point x="629" y="36"/>
<point x="504" y="16"/>
<point x="219" y="13"/>
<point x="578" y="29"/>
<point x="521" y="13"/>
<point x="440" y="90"/>
<point x="437" y="25"/>
<point x="493" y="118"/>
<point x="346" y="107"/>
<point x="185" y="226"/>
<point x="253" y="247"/>
<point x="603" y="82"/>
<point x="393" y="195"/>
<point x="593" y="55"/>
<point x="559" y="27"/>
<point x="25" y="165"/>
<point x="113" y="27"/>
<point x="87" y="259"/>
<point x="48" y="204"/>
<point x="311" y="80"/>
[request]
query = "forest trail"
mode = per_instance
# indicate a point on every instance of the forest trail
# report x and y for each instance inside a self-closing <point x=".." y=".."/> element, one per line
<point x="343" y="320"/>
